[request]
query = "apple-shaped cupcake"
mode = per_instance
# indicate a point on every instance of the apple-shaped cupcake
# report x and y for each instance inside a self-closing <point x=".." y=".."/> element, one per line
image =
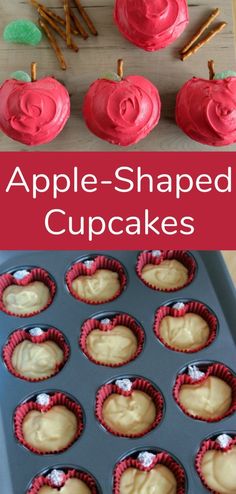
<point x="151" y="24"/>
<point x="33" y="112"/>
<point x="121" y="110"/>
<point x="215" y="464"/>
<point x="206" y="109"/>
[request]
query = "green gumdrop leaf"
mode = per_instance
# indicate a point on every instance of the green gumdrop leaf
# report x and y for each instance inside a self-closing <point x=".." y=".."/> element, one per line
<point x="224" y="75"/>
<point x="111" y="76"/>
<point x="22" y="31"/>
<point x="20" y="75"/>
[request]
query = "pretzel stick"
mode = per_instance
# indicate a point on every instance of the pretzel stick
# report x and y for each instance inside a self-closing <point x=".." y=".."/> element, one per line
<point x="201" y="30"/>
<point x="120" y="68"/>
<point x="34" y="71"/>
<point x="53" y="42"/>
<point x="211" y="67"/>
<point x="67" y="16"/>
<point x="51" y="14"/>
<point x="56" y="28"/>
<point x="78" y="26"/>
<point x="86" y="17"/>
<point x="204" y="41"/>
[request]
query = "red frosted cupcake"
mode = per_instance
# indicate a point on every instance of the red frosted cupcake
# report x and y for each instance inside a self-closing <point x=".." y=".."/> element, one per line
<point x="66" y="480"/>
<point x="166" y="271"/>
<point x="206" y="392"/>
<point x="142" y="471"/>
<point x="35" y="354"/>
<point x="215" y="464"/>
<point x="25" y="293"/>
<point x="112" y="341"/>
<point x="96" y="280"/>
<point x="185" y="326"/>
<point x="129" y="408"/>
<point x="151" y="24"/>
<point x="48" y="424"/>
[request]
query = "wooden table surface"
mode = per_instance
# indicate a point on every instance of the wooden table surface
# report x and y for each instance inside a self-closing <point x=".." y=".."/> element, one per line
<point x="230" y="259"/>
<point x="98" y="56"/>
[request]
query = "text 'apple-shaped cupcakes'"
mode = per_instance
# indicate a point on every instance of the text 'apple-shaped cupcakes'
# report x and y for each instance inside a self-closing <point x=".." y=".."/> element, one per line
<point x="151" y="24"/>
<point x="206" y="109"/>
<point x="215" y="463"/>
<point x="35" y="112"/>
<point x="122" y="110"/>
<point x="150" y="470"/>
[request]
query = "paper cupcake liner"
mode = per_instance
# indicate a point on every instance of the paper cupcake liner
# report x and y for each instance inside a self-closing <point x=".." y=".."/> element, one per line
<point x="209" y="445"/>
<point x="179" y="255"/>
<point x="190" y="307"/>
<point x="42" y="481"/>
<point x="217" y="370"/>
<point x="119" y="319"/>
<point x="100" y="262"/>
<point x="20" y="335"/>
<point x="162" y="458"/>
<point x="138" y="384"/>
<point x="36" y="274"/>
<point x="56" y="399"/>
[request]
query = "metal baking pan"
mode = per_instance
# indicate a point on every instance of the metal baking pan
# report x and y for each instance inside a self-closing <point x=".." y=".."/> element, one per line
<point x="98" y="451"/>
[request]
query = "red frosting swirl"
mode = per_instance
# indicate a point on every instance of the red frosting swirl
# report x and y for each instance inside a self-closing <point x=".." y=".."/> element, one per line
<point x="33" y="112"/>
<point x="122" y="112"/>
<point x="151" y="24"/>
<point x="206" y="110"/>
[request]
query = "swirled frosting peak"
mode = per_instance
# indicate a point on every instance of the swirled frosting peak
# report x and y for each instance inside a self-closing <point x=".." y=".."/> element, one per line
<point x="122" y="112"/>
<point x="206" y="110"/>
<point x="33" y="113"/>
<point x="151" y="24"/>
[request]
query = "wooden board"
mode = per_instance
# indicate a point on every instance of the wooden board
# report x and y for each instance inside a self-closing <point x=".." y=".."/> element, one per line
<point x="230" y="259"/>
<point x="98" y="56"/>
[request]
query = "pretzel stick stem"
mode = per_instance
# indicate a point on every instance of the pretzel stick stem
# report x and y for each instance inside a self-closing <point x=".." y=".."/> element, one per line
<point x="201" y="30"/>
<point x="86" y="17"/>
<point x="67" y="17"/>
<point x="51" y="14"/>
<point x="53" y="42"/>
<point x="34" y="71"/>
<point x="120" y="68"/>
<point x="56" y="28"/>
<point x="77" y="24"/>
<point x="211" y="67"/>
<point x="204" y="41"/>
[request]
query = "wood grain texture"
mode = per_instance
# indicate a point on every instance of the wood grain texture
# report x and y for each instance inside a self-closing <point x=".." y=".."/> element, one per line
<point x="230" y="259"/>
<point x="98" y="55"/>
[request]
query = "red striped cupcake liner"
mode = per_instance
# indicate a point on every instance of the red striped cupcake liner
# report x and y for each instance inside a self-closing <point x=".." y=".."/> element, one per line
<point x="193" y="307"/>
<point x="119" y="319"/>
<point x="162" y="458"/>
<point x="137" y="384"/>
<point x="99" y="262"/>
<point x="55" y="399"/>
<point x="35" y="274"/>
<point x="209" y="445"/>
<point x="42" y="481"/>
<point x="183" y="257"/>
<point x="217" y="370"/>
<point x="50" y="334"/>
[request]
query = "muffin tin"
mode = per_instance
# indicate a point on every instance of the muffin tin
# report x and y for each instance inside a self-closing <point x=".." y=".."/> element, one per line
<point x="97" y="451"/>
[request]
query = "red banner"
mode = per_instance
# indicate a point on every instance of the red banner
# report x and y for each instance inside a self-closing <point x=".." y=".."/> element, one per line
<point x="117" y="200"/>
